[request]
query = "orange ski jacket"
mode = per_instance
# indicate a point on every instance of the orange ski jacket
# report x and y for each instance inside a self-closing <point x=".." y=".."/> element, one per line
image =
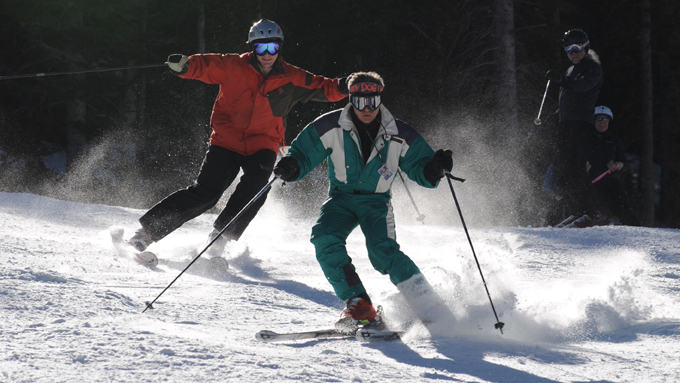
<point x="250" y="111"/>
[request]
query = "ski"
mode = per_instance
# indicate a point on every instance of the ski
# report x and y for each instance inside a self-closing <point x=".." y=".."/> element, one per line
<point x="568" y="221"/>
<point x="581" y="222"/>
<point x="145" y="258"/>
<point x="590" y="220"/>
<point x="362" y="335"/>
<point x="271" y="336"/>
<point x="371" y="335"/>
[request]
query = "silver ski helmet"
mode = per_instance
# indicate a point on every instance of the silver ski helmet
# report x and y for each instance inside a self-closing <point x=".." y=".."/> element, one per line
<point x="265" y="30"/>
<point x="604" y="110"/>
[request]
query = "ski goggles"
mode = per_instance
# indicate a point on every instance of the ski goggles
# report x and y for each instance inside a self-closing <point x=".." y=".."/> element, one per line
<point x="271" y="47"/>
<point x="361" y="102"/>
<point x="574" y="48"/>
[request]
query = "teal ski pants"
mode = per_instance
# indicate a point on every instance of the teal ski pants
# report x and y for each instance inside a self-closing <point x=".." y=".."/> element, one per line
<point x="342" y="213"/>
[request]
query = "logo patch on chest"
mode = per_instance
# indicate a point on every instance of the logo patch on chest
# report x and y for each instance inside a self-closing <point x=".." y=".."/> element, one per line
<point x="385" y="172"/>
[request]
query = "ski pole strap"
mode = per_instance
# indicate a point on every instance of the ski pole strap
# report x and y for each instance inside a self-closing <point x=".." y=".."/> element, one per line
<point x="454" y="177"/>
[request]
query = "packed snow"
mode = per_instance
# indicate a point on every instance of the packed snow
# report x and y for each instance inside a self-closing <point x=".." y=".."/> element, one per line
<point x="579" y="305"/>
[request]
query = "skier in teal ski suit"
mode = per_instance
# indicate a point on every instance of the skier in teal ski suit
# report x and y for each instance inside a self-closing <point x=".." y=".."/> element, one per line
<point x="365" y="147"/>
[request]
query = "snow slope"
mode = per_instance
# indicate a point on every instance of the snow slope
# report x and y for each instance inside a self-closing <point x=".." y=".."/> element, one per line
<point x="579" y="305"/>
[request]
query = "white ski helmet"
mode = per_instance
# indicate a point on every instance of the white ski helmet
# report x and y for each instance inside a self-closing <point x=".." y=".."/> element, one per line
<point x="264" y="29"/>
<point x="604" y="110"/>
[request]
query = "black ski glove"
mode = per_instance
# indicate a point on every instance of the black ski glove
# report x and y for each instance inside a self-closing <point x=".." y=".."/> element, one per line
<point x="555" y="76"/>
<point x="287" y="169"/>
<point x="441" y="161"/>
<point x="178" y="63"/>
<point x="343" y="84"/>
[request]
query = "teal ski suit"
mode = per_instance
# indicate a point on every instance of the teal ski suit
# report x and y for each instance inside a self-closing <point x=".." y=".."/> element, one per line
<point x="359" y="193"/>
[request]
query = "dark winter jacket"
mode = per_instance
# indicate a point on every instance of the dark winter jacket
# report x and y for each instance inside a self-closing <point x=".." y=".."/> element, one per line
<point x="600" y="150"/>
<point x="579" y="91"/>
<point x="250" y="111"/>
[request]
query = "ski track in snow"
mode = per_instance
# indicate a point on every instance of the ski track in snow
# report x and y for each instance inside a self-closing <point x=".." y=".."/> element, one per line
<point x="579" y="305"/>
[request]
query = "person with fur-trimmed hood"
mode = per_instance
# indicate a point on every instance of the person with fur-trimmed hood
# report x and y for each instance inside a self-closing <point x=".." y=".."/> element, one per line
<point x="365" y="147"/>
<point x="580" y="87"/>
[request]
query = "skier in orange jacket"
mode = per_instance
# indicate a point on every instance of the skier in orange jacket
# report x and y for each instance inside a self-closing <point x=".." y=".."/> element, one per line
<point x="257" y="91"/>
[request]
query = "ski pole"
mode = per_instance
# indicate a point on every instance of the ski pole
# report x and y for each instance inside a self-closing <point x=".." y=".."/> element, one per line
<point x="421" y="217"/>
<point x="11" y="77"/>
<point x="499" y="325"/>
<point x="537" y="121"/>
<point x="609" y="171"/>
<point x="149" y="305"/>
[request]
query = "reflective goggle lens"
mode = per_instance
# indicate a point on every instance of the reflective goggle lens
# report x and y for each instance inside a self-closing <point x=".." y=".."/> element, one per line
<point x="573" y="48"/>
<point x="363" y="102"/>
<point x="272" y="48"/>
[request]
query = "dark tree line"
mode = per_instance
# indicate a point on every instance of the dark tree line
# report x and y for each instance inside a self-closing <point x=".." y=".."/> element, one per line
<point x="467" y="74"/>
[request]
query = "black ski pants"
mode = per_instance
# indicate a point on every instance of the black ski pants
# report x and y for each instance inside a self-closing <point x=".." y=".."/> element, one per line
<point x="220" y="168"/>
<point x="614" y="200"/>
<point x="570" y="168"/>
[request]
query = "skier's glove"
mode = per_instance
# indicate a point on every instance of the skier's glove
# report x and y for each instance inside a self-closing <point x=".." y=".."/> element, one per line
<point x="614" y="166"/>
<point x="555" y="76"/>
<point x="178" y="63"/>
<point x="287" y="169"/>
<point x="441" y="161"/>
<point x="343" y="84"/>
